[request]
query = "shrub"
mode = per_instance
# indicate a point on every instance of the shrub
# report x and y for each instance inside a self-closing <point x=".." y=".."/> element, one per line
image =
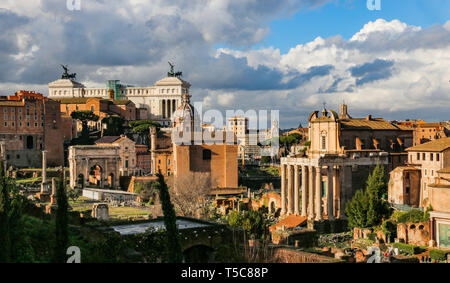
<point x="408" y="249"/>
<point x="439" y="254"/>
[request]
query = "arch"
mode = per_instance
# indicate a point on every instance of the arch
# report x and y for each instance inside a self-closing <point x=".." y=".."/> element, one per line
<point x="199" y="254"/>
<point x="272" y="206"/>
<point x="95" y="177"/>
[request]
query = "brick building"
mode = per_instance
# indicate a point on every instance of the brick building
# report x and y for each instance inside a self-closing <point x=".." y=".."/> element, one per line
<point x="143" y="158"/>
<point x="30" y="123"/>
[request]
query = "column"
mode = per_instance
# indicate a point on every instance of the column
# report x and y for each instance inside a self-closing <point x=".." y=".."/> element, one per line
<point x="283" y="189"/>
<point x="311" y="192"/>
<point x="44" y="166"/>
<point x="342" y="189"/>
<point x="304" y="190"/>
<point x="318" y="196"/>
<point x="336" y="188"/>
<point x="289" y="190"/>
<point x="86" y="173"/>
<point x="296" y="190"/>
<point x="168" y="109"/>
<point x="330" y="194"/>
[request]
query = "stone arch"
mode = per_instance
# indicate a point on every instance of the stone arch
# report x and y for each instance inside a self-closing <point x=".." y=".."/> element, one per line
<point x="272" y="206"/>
<point x="95" y="176"/>
<point x="98" y="165"/>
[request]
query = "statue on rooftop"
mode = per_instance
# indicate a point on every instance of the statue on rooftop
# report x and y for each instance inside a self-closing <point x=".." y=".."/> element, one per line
<point x="172" y="73"/>
<point x="66" y="74"/>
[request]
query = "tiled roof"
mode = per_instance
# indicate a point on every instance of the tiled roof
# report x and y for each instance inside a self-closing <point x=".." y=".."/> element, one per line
<point x="73" y="100"/>
<point x="107" y="139"/>
<point x="291" y="221"/>
<point x="365" y="124"/>
<point x="438" y="145"/>
<point x="445" y="170"/>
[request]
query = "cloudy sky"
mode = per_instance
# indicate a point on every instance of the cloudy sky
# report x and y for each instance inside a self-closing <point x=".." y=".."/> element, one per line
<point x="290" y="55"/>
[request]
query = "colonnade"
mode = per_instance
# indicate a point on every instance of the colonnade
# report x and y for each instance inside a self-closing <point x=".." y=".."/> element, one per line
<point x="167" y="107"/>
<point x="311" y="191"/>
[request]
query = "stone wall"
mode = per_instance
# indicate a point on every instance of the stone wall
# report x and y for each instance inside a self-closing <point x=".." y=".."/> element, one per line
<point x="288" y="255"/>
<point x="414" y="233"/>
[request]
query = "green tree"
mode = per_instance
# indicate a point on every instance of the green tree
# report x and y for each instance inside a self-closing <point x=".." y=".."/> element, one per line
<point x="367" y="208"/>
<point x="84" y="117"/>
<point x="114" y="126"/>
<point x="5" y="202"/>
<point x="142" y="128"/>
<point x="170" y="221"/>
<point x="61" y="222"/>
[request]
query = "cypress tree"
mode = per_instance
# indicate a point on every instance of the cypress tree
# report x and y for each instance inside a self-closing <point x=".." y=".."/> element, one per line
<point x="61" y="221"/>
<point x="5" y="205"/>
<point x="174" y="247"/>
<point x="366" y="208"/>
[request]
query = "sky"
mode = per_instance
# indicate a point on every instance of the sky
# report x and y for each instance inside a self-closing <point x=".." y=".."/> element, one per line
<point x="286" y="55"/>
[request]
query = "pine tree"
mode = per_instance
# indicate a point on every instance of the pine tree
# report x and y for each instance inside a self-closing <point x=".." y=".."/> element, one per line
<point x="174" y="247"/>
<point x="5" y="204"/>
<point x="61" y="228"/>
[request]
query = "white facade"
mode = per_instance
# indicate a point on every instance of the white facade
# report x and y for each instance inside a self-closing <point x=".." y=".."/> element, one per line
<point x="160" y="100"/>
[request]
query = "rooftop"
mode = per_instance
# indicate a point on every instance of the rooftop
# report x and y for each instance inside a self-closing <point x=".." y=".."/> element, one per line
<point x="142" y="227"/>
<point x="368" y="124"/>
<point x="438" y="145"/>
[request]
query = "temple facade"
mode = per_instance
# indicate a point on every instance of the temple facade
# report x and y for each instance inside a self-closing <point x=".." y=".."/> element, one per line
<point x="343" y="151"/>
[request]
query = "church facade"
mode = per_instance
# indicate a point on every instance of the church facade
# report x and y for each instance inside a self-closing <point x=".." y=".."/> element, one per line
<point x="343" y="151"/>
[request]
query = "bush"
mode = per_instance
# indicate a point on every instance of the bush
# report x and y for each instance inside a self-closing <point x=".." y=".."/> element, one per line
<point x="413" y="216"/>
<point x="439" y="254"/>
<point x="408" y="249"/>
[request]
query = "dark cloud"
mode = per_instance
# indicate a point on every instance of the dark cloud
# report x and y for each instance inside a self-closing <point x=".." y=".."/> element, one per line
<point x="373" y="71"/>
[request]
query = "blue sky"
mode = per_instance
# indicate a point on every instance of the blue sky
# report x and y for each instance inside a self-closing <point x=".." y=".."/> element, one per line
<point x="346" y="17"/>
<point x="243" y="54"/>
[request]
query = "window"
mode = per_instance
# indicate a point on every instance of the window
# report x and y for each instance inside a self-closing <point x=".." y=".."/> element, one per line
<point x="423" y="156"/>
<point x="206" y="154"/>
<point x="431" y="156"/>
<point x="437" y="156"/>
<point x="324" y="142"/>
<point x="92" y="108"/>
<point x="126" y="163"/>
<point x="418" y="156"/>
<point x="6" y="124"/>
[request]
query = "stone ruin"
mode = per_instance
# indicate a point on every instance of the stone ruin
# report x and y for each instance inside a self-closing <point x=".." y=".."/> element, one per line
<point x="100" y="211"/>
<point x="414" y="233"/>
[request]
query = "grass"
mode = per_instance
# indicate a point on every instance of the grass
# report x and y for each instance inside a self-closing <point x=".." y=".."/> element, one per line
<point x="83" y="204"/>
<point x="28" y="180"/>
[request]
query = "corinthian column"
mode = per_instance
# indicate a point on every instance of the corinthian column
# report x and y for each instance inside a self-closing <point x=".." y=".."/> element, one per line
<point x="283" y="189"/>
<point x="296" y="190"/>
<point x="304" y="191"/>
<point x="289" y="190"/>
<point x="330" y="205"/>
<point x="311" y="193"/>
<point x="318" y="196"/>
